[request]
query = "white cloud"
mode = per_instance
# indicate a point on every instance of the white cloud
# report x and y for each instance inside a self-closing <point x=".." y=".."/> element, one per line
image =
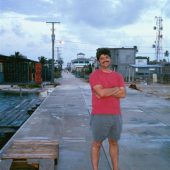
<point x="48" y="1"/>
<point x="85" y="25"/>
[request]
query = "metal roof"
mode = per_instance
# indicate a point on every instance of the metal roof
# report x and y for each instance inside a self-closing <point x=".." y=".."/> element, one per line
<point x="9" y="58"/>
<point x="145" y="66"/>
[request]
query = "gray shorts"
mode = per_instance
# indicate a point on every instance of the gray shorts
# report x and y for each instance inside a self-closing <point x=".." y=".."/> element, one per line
<point x="106" y="126"/>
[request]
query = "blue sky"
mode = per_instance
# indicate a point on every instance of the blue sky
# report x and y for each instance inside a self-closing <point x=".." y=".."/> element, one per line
<point x="84" y="26"/>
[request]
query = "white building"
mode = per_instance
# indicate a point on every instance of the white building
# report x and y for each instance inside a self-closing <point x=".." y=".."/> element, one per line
<point x="79" y="63"/>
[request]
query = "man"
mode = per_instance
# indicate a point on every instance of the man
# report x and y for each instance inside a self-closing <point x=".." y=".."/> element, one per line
<point x="107" y="88"/>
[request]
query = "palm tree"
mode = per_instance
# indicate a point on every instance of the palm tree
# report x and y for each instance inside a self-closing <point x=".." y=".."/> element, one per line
<point x="18" y="55"/>
<point x="166" y="54"/>
<point x="42" y="60"/>
<point x="60" y="62"/>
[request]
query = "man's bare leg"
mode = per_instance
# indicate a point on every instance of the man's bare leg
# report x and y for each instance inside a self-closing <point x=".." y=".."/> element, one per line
<point x="95" y="154"/>
<point x="114" y="153"/>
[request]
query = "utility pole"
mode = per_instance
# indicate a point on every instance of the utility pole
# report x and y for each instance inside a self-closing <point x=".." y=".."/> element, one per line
<point x="158" y="43"/>
<point x="53" y="41"/>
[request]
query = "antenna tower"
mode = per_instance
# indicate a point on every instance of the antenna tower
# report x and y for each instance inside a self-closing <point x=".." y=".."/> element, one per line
<point x="158" y="42"/>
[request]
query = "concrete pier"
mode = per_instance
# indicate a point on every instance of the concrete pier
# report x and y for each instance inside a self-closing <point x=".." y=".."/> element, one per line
<point x="64" y="117"/>
<point x="145" y="140"/>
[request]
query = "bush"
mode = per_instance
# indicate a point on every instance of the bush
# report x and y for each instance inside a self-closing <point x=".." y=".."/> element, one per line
<point x="30" y="86"/>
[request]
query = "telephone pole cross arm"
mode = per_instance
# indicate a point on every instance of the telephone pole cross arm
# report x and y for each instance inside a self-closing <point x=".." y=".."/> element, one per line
<point x="53" y="41"/>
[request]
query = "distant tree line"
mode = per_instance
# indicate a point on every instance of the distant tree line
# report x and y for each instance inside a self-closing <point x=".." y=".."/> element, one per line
<point x="46" y="67"/>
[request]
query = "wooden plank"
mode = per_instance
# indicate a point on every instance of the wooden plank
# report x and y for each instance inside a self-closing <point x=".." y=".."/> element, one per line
<point x="22" y="117"/>
<point x="18" y="115"/>
<point x="11" y="115"/>
<point x="2" y="113"/>
<point x="36" y="141"/>
<point x="32" y="149"/>
<point x="9" y="118"/>
<point x="30" y="156"/>
<point x="37" y="154"/>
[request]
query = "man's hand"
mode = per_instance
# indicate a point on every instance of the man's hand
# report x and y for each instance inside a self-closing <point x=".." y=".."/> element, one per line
<point x="118" y="92"/>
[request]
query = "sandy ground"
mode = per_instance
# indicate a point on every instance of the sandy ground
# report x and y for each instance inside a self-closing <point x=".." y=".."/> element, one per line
<point x="160" y="90"/>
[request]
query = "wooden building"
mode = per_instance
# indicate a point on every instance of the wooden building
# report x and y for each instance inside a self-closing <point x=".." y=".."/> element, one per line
<point x="16" y="70"/>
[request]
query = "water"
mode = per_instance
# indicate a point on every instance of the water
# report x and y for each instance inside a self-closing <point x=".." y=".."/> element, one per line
<point x="9" y="100"/>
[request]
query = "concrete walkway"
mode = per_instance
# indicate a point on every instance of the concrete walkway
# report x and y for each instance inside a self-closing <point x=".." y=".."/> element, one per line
<point x="75" y="138"/>
<point x="64" y="117"/>
<point x="145" y="142"/>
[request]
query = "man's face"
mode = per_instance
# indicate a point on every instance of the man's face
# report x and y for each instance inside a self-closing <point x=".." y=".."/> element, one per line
<point x="104" y="61"/>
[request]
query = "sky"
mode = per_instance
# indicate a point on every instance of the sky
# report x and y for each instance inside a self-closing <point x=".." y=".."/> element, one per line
<point x="85" y="25"/>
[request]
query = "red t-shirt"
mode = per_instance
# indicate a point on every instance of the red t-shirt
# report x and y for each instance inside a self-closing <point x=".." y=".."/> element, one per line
<point x="106" y="105"/>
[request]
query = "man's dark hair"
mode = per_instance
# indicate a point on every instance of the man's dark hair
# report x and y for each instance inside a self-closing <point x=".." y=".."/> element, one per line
<point x="101" y="51"/>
